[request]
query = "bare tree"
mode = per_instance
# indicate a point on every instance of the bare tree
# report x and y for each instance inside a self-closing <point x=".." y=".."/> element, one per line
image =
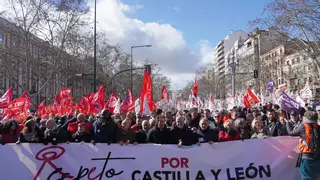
<point x="40" y="31"/>
<point x="299" y="20"/>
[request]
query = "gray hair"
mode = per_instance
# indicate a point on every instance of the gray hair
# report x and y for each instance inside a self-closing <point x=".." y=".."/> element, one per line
<point x="238" y="121"/>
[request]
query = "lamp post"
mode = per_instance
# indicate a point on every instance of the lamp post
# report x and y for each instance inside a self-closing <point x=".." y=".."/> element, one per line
<point x="95" y="49"/>
<point x="232" y="62"/>
<point x="131" y="75"/>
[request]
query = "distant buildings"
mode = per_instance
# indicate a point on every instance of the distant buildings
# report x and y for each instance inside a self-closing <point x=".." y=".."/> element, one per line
<point x="42" y="68"/>
<point x="271" y="54"/>
<point x="219" y="57"/>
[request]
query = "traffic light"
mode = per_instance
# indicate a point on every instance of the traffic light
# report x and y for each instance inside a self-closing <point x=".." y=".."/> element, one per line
<point x="147" y="68"/>
<point x="255" y="74"/>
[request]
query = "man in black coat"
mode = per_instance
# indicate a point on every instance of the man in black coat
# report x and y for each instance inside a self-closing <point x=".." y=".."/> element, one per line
<point x="273" y="124"/>
<point x="142" y="135"/>
<point x="159" y="134"/>
<point x="181" y="134"/>
<point x="205" y="133"/>
<point x="105" y="129"/>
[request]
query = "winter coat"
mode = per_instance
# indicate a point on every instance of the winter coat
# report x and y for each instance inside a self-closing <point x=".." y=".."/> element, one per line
<point x="229" y="135"/>
<point x="207" y="135"/>
<point x="81" y="137"/>
<point x="37" y="135"/>
<point x="184" y="134"/>
<point x="128" y="135"/>
<point x="106" y="132"/>
<point x="275" y="128"/>
<point x="142" y="137"/>
<point x="55" y="135"/>
<point x="259" y="134"/>
<point x="159" y="136"/>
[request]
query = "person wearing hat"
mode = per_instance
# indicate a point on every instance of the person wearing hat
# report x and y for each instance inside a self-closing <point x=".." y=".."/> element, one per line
<point x="309" y="158"/>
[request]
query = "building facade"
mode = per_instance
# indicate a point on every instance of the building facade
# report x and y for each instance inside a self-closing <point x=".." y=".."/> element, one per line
<point x="258" y="43"/>
<point x="27" y="63"/>
<point x="288" y="65"/>
<point x="220" y="60"/>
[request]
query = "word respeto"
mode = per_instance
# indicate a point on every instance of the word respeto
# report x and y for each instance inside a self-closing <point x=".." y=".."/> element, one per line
<point x="48" y="154"/>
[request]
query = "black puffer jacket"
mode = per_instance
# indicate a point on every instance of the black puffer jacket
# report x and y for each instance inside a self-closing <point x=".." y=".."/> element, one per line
<point x="159" y="136"/>
<point x="187" y="137"/>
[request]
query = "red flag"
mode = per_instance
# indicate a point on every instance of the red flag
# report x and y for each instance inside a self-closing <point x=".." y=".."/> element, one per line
<point x="250" y="99"/>
<point x="165" y="94"/>
<point x="25" y="110"/>
<point x="195" y="86"/>
<point x="97" y="101"/>
<point x="56" y="109"/>
<point x="83" y="105"/>
<point x="65" y="92"/>
<point x="17" y="108"/>
<point x="111" y="103"/>
<point x="6" y="99"/>
<point x="41" y="109"/>
<point x="146" y="91"/>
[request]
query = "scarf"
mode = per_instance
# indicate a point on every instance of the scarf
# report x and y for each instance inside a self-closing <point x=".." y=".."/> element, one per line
<point x="30" y="137"/>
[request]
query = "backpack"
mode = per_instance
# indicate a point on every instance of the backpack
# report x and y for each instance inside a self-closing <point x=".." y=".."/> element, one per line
<point x="312" y="140"/>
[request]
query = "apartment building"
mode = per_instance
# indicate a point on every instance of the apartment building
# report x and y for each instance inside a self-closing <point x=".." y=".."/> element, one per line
<point x="220" y="60"/>
<point x="258" y="42"/>
<point x="287" y="64"/>
<point x="33" y="65"/>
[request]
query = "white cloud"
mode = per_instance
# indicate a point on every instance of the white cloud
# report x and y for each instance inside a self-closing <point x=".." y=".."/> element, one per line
<point x="128" y="8"/>
<point x="206" y="51"/>
<point x="169" y="49"/>
<point x="175" y="8"/>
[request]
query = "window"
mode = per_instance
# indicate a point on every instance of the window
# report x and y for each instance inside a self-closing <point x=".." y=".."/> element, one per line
<point x="35" y="51"/>
<point x="1" y="39"/>
<point x="15" y="42"/>
<point x="249" y="44"/>
<point x="288" y="63"/>
<point x="298" y="59"/>
<point x="293" y="61"/>
<point x="6" y="39"/>
<point x="310" y="79"/>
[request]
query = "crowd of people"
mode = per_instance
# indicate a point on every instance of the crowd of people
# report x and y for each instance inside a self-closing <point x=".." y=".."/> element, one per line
<point x="183" y="128"/>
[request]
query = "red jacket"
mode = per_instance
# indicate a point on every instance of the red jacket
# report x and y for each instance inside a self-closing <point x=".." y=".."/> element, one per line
<point x="10" y="137"/>
<point x="224" y="136"/>
<point x="73" y="127"/>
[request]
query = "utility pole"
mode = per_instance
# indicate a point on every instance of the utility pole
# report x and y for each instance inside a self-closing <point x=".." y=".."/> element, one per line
<point x="95" y="49"/>
<point x="233" y="64"/>
<point x="131" y="64"/>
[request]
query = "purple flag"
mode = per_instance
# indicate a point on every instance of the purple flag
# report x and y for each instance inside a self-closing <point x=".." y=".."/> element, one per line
<point x="270" y="85"/>
<point x="288" y="104"/>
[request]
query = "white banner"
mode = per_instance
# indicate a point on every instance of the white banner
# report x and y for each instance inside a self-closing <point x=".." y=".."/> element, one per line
<point x="272" y="158"/>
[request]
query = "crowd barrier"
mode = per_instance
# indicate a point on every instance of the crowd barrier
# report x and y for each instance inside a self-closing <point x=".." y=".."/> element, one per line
<point x="271" y="158"/>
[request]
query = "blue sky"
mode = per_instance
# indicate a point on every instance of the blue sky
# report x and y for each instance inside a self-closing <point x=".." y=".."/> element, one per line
<point x="210" y="20"/>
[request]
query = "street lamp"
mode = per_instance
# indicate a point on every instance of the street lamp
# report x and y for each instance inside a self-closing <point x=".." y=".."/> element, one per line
<point x="232" y="62"/>
<point x="95" y="49"/>
<point x="131" y="75"/>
